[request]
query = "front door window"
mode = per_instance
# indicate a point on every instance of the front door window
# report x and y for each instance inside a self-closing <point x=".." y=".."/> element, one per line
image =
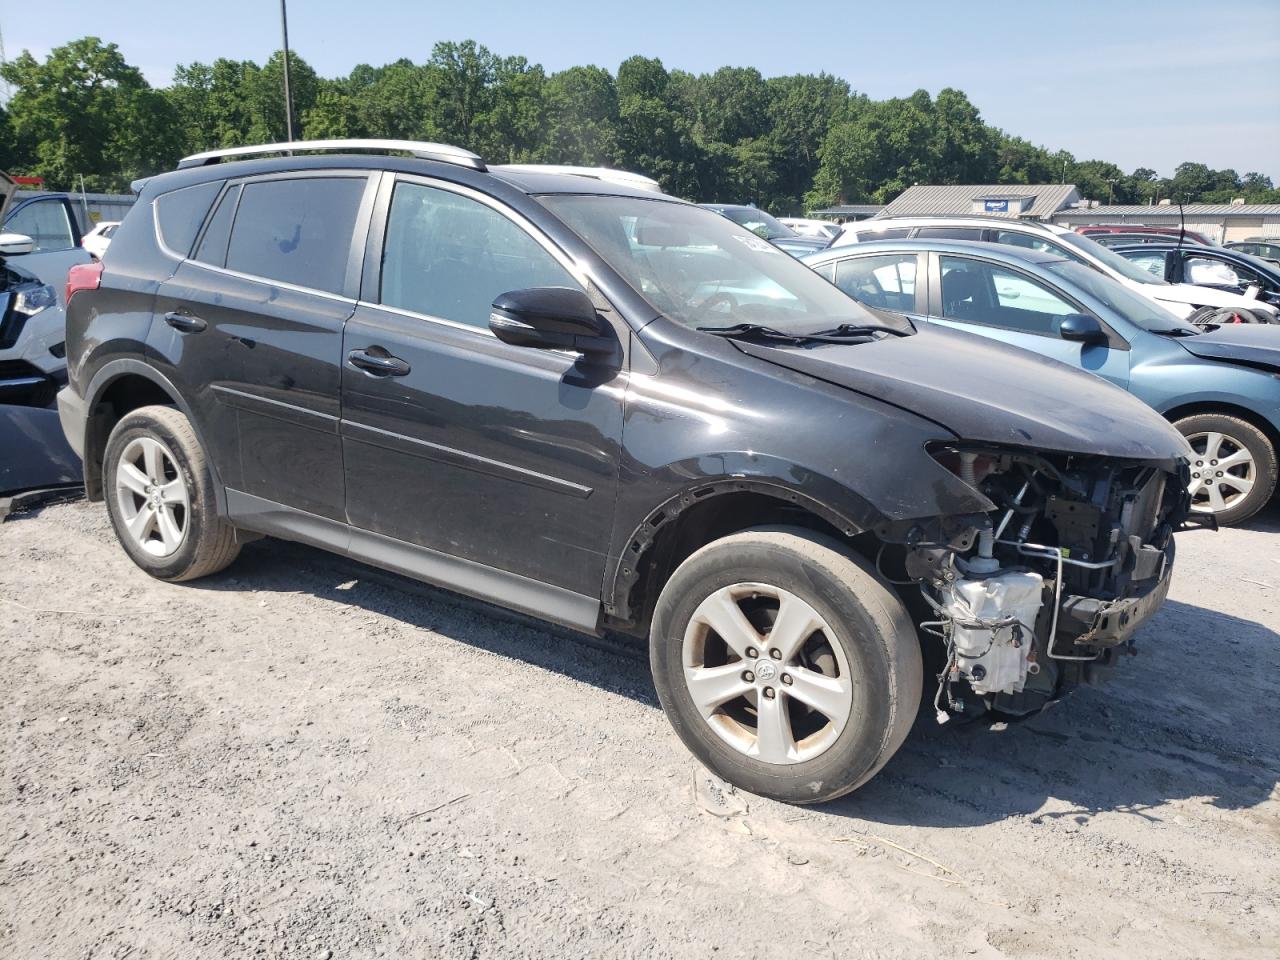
<point x="980" y="292"/>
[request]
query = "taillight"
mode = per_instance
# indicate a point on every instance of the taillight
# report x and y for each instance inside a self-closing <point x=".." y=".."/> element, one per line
<point x="83" y="276"/>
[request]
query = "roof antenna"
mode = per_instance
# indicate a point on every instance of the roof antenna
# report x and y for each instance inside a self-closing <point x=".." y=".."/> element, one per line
<point x="1182" y="226"/>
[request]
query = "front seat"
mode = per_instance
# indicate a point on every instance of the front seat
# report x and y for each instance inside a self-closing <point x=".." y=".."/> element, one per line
<point x="960" y="289"/>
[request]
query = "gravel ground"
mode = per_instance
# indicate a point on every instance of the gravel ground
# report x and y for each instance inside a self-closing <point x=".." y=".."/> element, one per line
<point x="303" y="758"/>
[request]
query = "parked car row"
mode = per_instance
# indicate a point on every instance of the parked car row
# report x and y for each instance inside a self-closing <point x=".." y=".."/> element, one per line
<point x="1217" y="387"/>
<point x="1226" y="269"/>
<point x="573" y="396"/>
<point x="1182" y="299"/>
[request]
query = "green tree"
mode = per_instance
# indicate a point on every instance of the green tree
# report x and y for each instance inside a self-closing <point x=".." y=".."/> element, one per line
<point x="84" y="111"/>
<point x="801" y="111"/>
<point x="582" y="117"/>
<point x="654" y="138"/>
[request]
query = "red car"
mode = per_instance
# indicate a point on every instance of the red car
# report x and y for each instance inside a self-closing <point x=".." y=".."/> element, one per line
<point x="1100" y="228"/>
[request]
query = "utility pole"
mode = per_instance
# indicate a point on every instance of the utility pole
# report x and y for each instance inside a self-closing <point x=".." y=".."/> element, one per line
<point x="288" y="97"/>
<point x="1111" y="186"/>
<point x="4" y="84"/>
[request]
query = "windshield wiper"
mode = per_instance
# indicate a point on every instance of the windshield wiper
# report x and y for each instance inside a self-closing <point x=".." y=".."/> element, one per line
<point x="845" y="333"/>
<point x="754" y="330"/>
<point x="846" y="330"/>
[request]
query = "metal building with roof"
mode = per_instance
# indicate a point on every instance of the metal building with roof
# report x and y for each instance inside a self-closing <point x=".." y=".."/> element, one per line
<point x="1037" y="201"/>
<point x="1222" y="222"/>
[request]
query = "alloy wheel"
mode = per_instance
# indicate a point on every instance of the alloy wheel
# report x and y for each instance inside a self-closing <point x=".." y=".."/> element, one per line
<point x="764" y="670"/>
<point x="1223" y="472"/>
<point x="154" y="503"/>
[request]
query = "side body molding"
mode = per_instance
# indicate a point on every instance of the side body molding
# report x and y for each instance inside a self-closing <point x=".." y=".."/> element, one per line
<point x="541" y="600"/>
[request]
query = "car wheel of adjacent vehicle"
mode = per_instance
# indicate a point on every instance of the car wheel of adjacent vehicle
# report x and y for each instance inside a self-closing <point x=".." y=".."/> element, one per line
<point x="785" y="664"/>
<point x="159" y="494"/>
<point x="1233" y="471"/>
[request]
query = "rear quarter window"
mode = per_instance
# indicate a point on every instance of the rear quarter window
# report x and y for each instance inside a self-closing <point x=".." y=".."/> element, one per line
<point x="179" y="214"/>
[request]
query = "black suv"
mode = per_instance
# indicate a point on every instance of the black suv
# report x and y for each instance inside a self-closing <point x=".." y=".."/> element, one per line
<point x="619" y="412"/>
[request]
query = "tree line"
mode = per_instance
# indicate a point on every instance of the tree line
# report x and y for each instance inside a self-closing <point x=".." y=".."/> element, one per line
<point x="783" y="143"/>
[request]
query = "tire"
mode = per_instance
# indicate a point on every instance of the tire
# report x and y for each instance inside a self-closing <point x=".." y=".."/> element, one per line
<point x="172" y="529"/>
<point x="1250" y="457"/>
<point x="864" y="643"/>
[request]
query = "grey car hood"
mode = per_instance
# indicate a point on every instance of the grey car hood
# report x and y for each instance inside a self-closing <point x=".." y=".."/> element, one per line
<point x="1257" y="344"/>
<point x="989" y="392"/>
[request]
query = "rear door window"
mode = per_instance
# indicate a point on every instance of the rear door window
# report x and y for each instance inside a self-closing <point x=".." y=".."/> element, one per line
<point x="1033" y="242"/>
<point x="887" y="281"/>
<point x="296" y="231"/>
<point x="950" y="233"/>
<point x="894" y="233"/>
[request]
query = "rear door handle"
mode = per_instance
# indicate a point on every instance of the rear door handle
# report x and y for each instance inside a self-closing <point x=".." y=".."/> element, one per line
<point x="377" y="364"/>
<point x="185" y="322"/>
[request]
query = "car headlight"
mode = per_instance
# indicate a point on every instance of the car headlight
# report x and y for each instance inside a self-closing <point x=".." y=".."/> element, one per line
<point x="34" y="299"/>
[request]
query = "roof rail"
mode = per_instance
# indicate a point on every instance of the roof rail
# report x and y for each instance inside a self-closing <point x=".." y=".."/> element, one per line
<point x="425" y="151"/>
<point x="622" y="177"/>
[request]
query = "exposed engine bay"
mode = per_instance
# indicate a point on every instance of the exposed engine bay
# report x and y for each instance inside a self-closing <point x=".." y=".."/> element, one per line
<point x="1046" y="591"/>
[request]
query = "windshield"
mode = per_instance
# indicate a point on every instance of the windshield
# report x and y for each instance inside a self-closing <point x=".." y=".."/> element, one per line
<point x="1110" y="259"/>
<point x="759" y="222"/>
<point x="1134" y="307"/>
<point x="700" y="269"/>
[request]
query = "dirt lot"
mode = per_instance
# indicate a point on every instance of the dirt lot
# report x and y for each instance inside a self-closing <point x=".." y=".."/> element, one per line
<point x="298" y="759"/>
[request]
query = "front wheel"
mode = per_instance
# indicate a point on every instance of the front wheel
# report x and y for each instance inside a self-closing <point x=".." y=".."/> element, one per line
<point x="1233" y="469"/>
<point x="785" y="664"/>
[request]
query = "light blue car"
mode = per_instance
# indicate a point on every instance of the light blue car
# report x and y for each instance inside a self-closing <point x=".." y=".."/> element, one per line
<point x="1220" y="387"/>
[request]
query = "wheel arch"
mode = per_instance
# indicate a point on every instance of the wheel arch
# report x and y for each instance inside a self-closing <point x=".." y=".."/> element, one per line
<point x="117" y="389"/>
<point x="695" y="517"/>
<point x="1228" y="409"/>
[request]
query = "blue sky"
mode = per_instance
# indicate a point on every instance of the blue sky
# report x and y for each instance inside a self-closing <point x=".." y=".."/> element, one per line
<point x="1136" y="82"/>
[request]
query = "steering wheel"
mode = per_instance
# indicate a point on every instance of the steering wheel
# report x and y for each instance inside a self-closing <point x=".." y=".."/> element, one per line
<point x="710" y="302"/>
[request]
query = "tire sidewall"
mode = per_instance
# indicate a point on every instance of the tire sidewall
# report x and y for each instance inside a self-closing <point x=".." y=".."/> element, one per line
<point x="131" y="427"/>
<point x="1256" y="442"/>
<point x="859" y="749"/>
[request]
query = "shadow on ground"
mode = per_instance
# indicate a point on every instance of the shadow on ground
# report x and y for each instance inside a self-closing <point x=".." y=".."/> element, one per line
<point x="1116" y="748"/>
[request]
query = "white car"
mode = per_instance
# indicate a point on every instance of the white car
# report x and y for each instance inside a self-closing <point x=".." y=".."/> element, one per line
<point x="32" y="325"/>
<point x="98" y="239"/>
<point x="1181" y="299"/>
<point x="822" y="229"/>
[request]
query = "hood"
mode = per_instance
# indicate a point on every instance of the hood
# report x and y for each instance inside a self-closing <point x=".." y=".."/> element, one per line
<point x="989" y="392"/>
<point x="1257" y="344"/>
<point x="1205" y="297"/>
<point x="799" y="246"/>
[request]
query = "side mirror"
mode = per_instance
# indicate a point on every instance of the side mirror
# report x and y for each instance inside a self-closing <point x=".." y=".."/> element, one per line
<point x="1081" y="328"/>
<point x="550" y="318"/>
<point x="13" y="244"/>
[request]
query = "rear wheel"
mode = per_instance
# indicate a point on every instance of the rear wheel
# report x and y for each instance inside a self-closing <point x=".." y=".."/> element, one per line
<point x="159" y="495"/>
<point x="785" y="664"/>
<point x="1233" y="470"/>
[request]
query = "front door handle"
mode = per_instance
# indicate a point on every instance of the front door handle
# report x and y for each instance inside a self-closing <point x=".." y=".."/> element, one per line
<point x="185" y="322"/>
<point x="379" y="364"/>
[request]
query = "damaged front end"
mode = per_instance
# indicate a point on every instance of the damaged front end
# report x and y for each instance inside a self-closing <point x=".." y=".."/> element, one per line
<point x="1020" y="604"/>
